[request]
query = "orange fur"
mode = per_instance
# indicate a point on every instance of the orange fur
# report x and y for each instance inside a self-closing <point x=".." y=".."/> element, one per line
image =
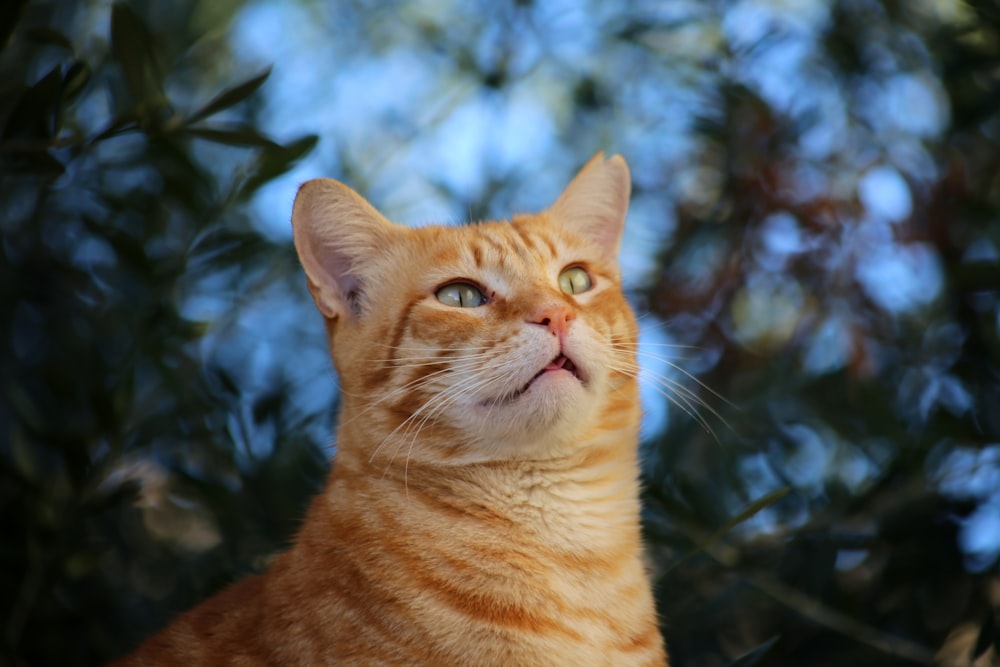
<point x="476" y="514"/>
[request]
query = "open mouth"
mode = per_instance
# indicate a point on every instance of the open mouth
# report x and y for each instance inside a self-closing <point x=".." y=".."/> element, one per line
<point x="560" y="363"/>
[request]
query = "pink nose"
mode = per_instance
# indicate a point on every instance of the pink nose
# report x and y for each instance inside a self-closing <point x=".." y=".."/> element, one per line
<point x="555" y="318"/>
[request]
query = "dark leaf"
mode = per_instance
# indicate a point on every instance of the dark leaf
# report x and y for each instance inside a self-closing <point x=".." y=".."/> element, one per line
<point x="268" y="406"/>
<point x="75" y="80"/>
<point x="230" y="97"/>
<point x="241" y="135"/>
<point x="132" y="47"/>
<point x="122" y="123"/>
<point x="219" y="376"/>
<point x="221" y="247"/>
<point x="987" y="635"/>
<point x="753" y="508"/>
<point x="754" y="656"/>
<point x="300" y="147"/>
<point x="749" y="511"/>
<point x="128" y="250"/>
<point x="43" y="164"/>
<point x="24" y="456"/>
<point x="122" y="495"/>
<point x="10" y="15"/>
<point x="32" y="115"/>
<point x="48" y="36"/>
<point x="272" y="164"/>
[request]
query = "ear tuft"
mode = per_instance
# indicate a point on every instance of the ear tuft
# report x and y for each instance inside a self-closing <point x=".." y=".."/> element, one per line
<point x="339" y="237"/>
<point x="596" y="201"/>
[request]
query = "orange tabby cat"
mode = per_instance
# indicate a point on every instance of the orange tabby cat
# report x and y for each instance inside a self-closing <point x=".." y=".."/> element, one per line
<point x="483" y="504"/>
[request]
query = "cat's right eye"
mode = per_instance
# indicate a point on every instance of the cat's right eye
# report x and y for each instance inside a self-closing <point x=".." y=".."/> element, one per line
<point x="461" y="295"/>
<point x="575" y="280"/>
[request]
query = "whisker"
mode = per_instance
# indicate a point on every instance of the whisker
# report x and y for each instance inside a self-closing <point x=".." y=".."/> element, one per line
<point x="641" y="353"/>
<point x="424" y="358"/>
<point x="681" y="397"/>
<point x="437" y="405"/>
<point x="688" y="375"/>
<point x="624" y="345"/>
<point x="432" y="407"/>
<point x="417" y="383"/>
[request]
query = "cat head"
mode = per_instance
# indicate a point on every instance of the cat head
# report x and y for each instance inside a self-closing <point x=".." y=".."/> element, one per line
<point x="483" y="341"/>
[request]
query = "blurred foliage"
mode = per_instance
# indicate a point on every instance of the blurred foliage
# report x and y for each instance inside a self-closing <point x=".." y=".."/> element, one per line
<point x="820" y="182"/>
<point x="119" y="455"/>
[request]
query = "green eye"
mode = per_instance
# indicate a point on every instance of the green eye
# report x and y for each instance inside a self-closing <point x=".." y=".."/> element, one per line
<point x="461" y="295"/>
<point x="574" y="280"/>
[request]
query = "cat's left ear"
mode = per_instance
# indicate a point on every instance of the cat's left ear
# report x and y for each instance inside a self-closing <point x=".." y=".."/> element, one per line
<point x="595" y="203"/>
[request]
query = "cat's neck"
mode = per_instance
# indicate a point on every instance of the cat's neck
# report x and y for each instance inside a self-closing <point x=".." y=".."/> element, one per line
<point x="570" y="497"/>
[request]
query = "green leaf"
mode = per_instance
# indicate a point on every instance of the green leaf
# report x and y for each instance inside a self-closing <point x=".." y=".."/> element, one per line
<point x="75" y="79"/>
<point x="754" y="656"/>
<point x="132" y="47"/>
<point x="221" y="246"/>
<point x="750" y="510"/>
<point x="239" y="135"/>
<point x="73" y="82"/>
<point x="230" y="97"/>
<point x="272" y="164"/>
<point x="298" y="148"/>
<point x="753" y="508"/>
<point x="120" y="124"/>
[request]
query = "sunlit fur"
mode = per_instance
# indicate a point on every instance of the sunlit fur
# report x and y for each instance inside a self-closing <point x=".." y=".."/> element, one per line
<point x="467" y="520"/>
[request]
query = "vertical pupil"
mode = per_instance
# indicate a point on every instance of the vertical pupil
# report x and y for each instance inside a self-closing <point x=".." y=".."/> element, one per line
<point x="461" y="295"/>
<point x="574" y="281"/>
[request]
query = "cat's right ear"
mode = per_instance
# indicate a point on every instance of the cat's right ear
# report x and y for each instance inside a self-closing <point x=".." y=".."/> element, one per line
<point x="595" y="203"/>
<point x="339" y="237"/>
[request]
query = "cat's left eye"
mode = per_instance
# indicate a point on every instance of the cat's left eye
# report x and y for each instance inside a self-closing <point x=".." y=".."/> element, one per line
<point x="574" y="280"/>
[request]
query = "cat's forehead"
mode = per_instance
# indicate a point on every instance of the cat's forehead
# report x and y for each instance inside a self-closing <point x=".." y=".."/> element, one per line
<point x="523" y="255"/>
<point x="526" y="244"/>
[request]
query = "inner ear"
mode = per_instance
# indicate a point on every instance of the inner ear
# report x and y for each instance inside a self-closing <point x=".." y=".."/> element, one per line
<point x="595" y="203"/>
<point x="354" y="300"/>
<point x="341" y="241"/>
